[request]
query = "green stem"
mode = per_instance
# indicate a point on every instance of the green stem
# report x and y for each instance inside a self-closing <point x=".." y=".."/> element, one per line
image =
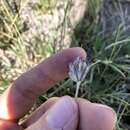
<point x="77" y="88"/>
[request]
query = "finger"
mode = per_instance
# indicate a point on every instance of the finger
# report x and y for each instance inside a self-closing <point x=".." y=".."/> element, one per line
<point x="39" y="112"/>
<point x="63" y="115"/>
<point x="8" y="125"/>
<point x="19" y="98"/>
<point x="95" y="116"/>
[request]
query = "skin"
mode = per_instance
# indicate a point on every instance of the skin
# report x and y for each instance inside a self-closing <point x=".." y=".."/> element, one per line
<point x="80" y="114"/>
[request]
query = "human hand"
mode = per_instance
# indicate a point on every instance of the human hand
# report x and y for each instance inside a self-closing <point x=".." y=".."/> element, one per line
<point x="64" y="113"/>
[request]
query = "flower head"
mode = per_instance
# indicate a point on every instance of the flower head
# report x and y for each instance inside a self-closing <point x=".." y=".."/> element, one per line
<point x="78" y="69"/>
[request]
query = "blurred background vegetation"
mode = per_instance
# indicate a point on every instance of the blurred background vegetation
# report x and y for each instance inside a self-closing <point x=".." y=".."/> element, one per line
<point x="31" y="31"/>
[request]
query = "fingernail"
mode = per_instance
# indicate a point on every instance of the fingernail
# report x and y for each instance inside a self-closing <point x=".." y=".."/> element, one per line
<point x="103" y="106"/>
<point x="109" y="109"/>
<point x="60" y="114"/>
<point x="106" y="107"/>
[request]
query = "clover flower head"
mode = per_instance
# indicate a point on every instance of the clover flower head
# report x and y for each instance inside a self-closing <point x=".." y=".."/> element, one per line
<point x="78" y="69"/>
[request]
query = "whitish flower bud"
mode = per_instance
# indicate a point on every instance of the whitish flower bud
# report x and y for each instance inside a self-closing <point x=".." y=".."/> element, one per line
<point x="78" y="69"/>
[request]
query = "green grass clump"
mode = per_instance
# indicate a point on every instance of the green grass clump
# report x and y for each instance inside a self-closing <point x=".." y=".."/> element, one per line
<point x="47" y="5"/>
<point x="17" y="54"/>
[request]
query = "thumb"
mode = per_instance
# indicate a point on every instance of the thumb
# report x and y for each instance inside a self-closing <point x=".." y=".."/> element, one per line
<point x="62" y="115"/>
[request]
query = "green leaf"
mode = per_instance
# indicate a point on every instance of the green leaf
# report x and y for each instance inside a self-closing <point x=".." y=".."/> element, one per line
<point x="117" y="70"/>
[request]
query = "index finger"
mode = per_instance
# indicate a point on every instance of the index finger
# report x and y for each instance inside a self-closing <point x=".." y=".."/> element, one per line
<point x="20" y="96"/>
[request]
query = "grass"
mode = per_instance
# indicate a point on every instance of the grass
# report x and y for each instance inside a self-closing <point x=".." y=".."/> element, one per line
<point x="108" y="79"/>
